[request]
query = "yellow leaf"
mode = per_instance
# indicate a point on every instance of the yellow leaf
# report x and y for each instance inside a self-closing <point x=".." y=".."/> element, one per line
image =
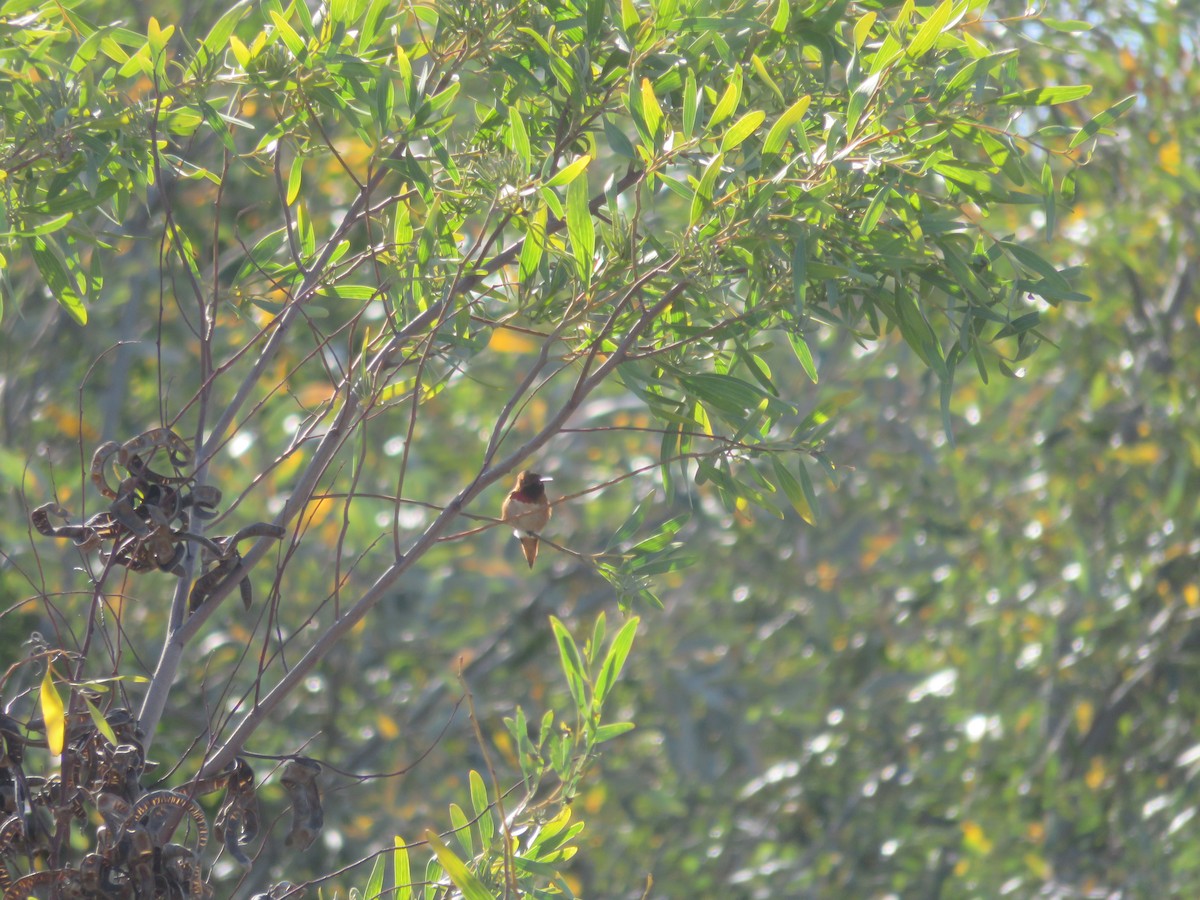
<point x="1095" y="774"/>
<point x="53" y="713"/>
<point x="975" y="839"/>
<point x="388" y="728"/>
<point x="1191" y="595"/>
<point x="319" y="510"/>
<point x="505" y="340"/>
<point x="1169" y="157"/>
<point x="1084" y="713"/>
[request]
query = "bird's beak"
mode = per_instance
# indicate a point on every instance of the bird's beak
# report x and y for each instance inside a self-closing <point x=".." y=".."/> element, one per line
<point x="545" y="478"/>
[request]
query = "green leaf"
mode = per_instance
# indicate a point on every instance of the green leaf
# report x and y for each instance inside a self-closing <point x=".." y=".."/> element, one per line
<point x="878" y="204"/>
<point x="617" y="140"/>
<point x="629" y="16"/>
<point x="581" y="231"/>
<point x="483" y="814"/>
<point x="1046" y="96"/>
<point x="531" y="249"/>
<point x="799" y="268"/>
<point x="295" y="176"/>
<point x="570" y="172"/>
<point x="614" y="660"/>
<point x="783" y="11"/>
<point x="1073" y="26"/>
<point x="291" y="39"/>
<point x="572" y="664"/>
<point x="742" y="129"/>
<point x="1102" y="120"/>
<point x="928" y="34"/>
<point x="859" y="99"/>
<point x="262" y="253"/>
<point x="794" y="491"/>
<point x="728" y="393"/>
<point x="631" y="525"/>
<point x="804" y="355"/>
<point x="401" y="869"/>
<point x="704" y="191"/>
<point x="595" y="18"/>
<point x="728" y="103"/>
<point x="779" y="131"/>
<point x="611" y="730"/>
<point x="471" y="887"/>
<point x="810" y="495"/>
<point x="651" y="110"/>
<point x="100" y="722"/>
<point x="691" y="104"/>
<point x="462" y="828"/>
<point x="53" y="268"/>
<point x="518" y="136"/>
<point x="918" y="333"/>
<point x="862" y="28"/>
<point x="218" y="124"/>
<point x="374" y="888"/>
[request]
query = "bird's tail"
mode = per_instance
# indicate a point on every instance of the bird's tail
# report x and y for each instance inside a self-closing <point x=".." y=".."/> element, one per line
<point x="529" y="546"/>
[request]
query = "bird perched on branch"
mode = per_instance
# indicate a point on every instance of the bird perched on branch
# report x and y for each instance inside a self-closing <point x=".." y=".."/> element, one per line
<point x="528" y="510"/>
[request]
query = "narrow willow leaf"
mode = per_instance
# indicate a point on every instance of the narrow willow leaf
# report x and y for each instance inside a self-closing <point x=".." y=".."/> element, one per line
<point x="804" y="355"/>
<point x="859" y="99"/>
<point x="742" y="129"/>
<point x="862" y="28"/>
<point x="691" y="104"/>
<point x="664" y="14"/>
<point x="809" y="493"/>
<point x="651" y="110"/>
<point x="794" y="491"/>
<point x="483" y="814"/>
<point x="52" y="265"/>
<point x="728" y="103"/>
<point x="240" y="51"/>
<point x="783" y="12"/>
<point x="614" y="660"/>
<point x="629" y="16"/>
<point x="878" y="204"/>
<point x="570" y="172"/>
<point x="401" y="869"/>
<point x="761" y="69"/>
<point x="293" y="186"/>
<point x="580" y="229"/>
<point x="799" y="268"/>
<point x="611" y="730"/>
<point x="291" y="39"/>
<point x="595" y="18"/>
<point x="100" y="722"/>
<point x="599" y="630"/>
<point x="1046" y="96"/>
<point x="919" y="334"/>
<point x="374" y="888"/>
<point x="53" y="714"/>
<point x="471" y="887"/>
<point x="928" y="34"/>
<point x="519" y="138"/>
<point x="535" y="241"/>
<point x="1102" y="120"/>
<point x="617" y="140"/>
<point x="462" y="828"/>
<point x="572" y="664"/>
<point x="704" y="191"/>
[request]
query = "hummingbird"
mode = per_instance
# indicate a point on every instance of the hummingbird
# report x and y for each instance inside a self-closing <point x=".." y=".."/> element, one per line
<point x="526" y="508"/>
